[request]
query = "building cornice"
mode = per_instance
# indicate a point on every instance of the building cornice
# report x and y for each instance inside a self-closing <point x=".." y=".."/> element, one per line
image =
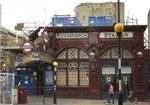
<point x="127" y="28"/>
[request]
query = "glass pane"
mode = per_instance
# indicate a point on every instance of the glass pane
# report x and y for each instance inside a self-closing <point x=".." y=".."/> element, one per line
<point x="61" y="64"/>
<point x="61" y="74"/>
<point x="72" y="65"/>
<point x="84" y="73"/>
<point x="73" y="78"/>
<point x="84" y="66"/>
<point x="61" y="77"/>
<point x="126" y="54"/>
<point x="72" y="73"/>
<point x="114" y="53"/>
<point x="83" y="55"/>
<point x="62" y="55"/>
<point x="84" y="78"/>
<point x="72" y="53"/>
<point x="106" y="55"/>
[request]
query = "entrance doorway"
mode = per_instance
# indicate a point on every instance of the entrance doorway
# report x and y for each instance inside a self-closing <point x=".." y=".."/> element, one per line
<point x="44" y="81"/>
<point x="109" y="73"/>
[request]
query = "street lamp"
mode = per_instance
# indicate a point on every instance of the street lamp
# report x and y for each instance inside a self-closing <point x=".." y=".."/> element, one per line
<point x="119" y="28"/>
<point x="4" y="66"/>
<point x="140" y="54"/>
<point x="55" y="64"/>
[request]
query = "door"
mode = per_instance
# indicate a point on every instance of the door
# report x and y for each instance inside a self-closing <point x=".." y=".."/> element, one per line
<point x="108" y="74"/>
<point x="127" y="79"/>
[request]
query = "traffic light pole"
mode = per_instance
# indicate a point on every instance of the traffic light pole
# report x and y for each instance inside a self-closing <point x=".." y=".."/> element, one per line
<point x="120" y="101"/>
<point x="54" y="87"/>
<point x="119" y="72"/>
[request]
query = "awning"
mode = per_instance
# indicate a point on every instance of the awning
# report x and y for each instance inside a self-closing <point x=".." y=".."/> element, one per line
<point x="15" y="49"/>
<point x="35" y="57"/>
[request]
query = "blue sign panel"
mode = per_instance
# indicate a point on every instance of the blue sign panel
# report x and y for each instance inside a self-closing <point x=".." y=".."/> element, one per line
<point x="92" y="21"/>
<point x="100" y="21"/>
<point x="65" y="21"/>
<point x="25" y="80"/>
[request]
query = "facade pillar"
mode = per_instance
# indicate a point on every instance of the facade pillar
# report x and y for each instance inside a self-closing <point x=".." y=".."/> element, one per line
<point x="139" y="78"/>
<point x="94" y="74"/>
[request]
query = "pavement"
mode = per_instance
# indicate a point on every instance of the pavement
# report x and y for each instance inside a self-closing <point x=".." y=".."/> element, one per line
<point x="40" y="100"/>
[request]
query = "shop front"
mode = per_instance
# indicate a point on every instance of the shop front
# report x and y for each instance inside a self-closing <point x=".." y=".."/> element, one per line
<point x="35" y="73"/>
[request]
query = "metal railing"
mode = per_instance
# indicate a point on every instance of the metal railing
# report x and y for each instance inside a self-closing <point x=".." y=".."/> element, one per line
<point x="6" y="88"/>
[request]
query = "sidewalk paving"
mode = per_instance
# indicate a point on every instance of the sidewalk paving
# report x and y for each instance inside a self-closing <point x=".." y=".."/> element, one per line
<point x="39" y="100"/>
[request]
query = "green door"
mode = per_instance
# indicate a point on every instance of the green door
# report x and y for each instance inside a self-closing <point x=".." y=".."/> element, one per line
<point x="127" y="79"/>
<point x="108" y="74"/>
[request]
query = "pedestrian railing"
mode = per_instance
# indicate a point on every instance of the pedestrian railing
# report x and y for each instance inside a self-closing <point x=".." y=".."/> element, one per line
<point x="6" y="88"/>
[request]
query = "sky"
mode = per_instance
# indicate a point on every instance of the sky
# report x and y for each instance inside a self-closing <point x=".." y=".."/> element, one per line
<point x="41" y="11"/>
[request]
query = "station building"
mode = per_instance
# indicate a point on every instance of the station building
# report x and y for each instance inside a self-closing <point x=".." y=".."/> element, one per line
<point x="88" y="60"/>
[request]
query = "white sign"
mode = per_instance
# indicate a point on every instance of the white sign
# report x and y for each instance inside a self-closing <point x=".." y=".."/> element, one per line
<point x="108" y="70"/>
<point x="71" y="35"/>
<point x="113" y="35"/>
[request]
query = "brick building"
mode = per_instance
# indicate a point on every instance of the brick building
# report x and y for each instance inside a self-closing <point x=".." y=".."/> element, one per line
<point x="85" y="11"/>
<point x="87" y="58"/>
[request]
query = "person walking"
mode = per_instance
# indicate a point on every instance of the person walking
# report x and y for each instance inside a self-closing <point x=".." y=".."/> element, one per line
<point x="125" y="91"/>
<point x="111" y="93"/>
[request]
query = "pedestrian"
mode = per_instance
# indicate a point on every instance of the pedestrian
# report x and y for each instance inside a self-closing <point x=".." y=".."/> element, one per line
<point x="130" y="97"/>
<point x="110" y="93"/>
<point x="125" y="91"/>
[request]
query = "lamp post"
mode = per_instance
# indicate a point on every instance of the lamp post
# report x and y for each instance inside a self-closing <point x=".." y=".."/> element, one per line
<point x="119" y="28"/>
<point x="55" y="64"/>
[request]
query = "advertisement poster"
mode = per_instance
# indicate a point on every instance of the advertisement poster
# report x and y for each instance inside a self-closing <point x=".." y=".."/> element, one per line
<point x="49" y="77"/>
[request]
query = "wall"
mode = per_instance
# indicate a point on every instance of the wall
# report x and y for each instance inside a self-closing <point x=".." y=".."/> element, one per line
<point x="84" y="10"/>
<point x="94" y="42"/>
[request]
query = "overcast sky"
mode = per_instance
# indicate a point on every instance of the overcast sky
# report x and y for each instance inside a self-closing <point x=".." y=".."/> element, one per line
<point x="14" y="11"/>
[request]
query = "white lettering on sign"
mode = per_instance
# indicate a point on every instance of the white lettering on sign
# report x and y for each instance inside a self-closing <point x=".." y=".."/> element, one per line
<point x="71" y="35"/>
<point x="113" y="35"/>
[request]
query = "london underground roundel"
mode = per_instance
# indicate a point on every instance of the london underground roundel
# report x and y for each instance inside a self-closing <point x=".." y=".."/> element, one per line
<point x="27" y="47"/>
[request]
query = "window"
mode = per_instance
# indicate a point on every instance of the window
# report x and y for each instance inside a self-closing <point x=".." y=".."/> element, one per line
<point x="72" y="73"/>
<point x="84" y="73"/>
<point x="73" y="69"/>
<point x="113" y="53"/>
<point x="61" y="74"/>
<point x="72" y="53"/>
<point x="62" y="55"/>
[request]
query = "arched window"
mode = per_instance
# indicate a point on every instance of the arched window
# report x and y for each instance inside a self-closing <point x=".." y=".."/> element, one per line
<point x="73" y="69"/>
<point x="113" y="54"/>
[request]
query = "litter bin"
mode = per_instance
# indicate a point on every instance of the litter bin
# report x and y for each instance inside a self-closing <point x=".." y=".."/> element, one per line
<point x="22" y="95"/>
